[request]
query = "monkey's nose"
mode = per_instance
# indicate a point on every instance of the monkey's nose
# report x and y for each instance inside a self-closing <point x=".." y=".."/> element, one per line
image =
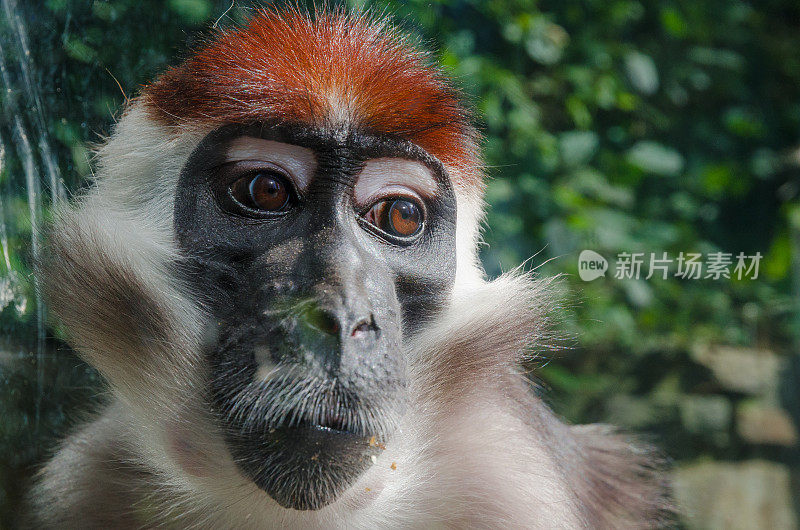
<point x="333" y="323"/>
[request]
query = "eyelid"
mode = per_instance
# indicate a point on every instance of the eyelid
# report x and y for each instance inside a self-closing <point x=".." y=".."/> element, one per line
<point x="382" y="177"/>
<point x="297" y="162"/>
<point x="392" y="195"/>
<point x="391" y="192"/>
<point x="241" y="168"/>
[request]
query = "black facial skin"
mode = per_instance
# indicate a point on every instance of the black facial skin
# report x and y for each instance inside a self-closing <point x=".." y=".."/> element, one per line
<point x="308" y="309"/>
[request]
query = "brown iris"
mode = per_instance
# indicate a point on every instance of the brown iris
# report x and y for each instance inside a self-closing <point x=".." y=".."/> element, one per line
<point x="397" y="217"/>
<point x="265" y="191"/>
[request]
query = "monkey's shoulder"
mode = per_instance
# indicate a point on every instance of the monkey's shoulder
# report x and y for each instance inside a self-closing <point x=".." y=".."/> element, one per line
<point x="93" y="481"/>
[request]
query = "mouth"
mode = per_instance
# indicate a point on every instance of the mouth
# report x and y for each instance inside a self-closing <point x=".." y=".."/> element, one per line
<point x="304" y="466"/>
<point x="302" y="441"/>
<point x="332" y="422"/>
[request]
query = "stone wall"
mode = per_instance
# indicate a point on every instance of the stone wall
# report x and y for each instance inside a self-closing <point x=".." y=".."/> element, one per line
<point x="745" y="408"/>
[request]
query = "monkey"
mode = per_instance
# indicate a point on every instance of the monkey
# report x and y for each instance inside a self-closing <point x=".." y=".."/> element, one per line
<point x="276" y="272"/>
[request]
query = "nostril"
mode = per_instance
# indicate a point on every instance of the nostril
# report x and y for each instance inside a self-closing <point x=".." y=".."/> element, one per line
<point x="364" y="326"/>
<point x="321" y="320"/>
<point x="361" y="329"/>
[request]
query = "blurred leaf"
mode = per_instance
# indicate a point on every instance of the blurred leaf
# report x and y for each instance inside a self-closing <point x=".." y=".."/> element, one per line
<point x="656" y="158"/>
<point x="673" y="22"/>
<point x="743" y="123"/>
<point x="79" y="51"/>
<point x="717" y="57"/>
<point x="192" y="11"/>
<point x="778" y="261"/>
<point x="577" y="147"/>
<point x="642" y="72"/>
<point x="545" y="41"/>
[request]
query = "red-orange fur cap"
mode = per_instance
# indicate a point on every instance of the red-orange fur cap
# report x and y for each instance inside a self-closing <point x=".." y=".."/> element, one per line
<point x="323" y="69"/>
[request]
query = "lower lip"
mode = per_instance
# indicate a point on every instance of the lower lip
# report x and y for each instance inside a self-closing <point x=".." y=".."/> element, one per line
<point x="323" y="460"/>
<point x="319" y="435"/>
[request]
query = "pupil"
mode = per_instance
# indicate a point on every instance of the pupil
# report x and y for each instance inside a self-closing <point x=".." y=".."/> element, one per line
<point x="404" y="218"/>
<point x="406" y="209"/>
<point x="272" y="187"/>
<point x="264" y="185"/>
<point x="268" y="192"/>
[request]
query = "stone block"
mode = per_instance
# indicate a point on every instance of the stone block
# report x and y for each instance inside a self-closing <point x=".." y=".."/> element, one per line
<point x="732" y="496"/>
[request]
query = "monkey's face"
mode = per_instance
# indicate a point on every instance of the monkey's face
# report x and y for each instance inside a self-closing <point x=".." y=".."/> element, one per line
<point x="314" y="254"/>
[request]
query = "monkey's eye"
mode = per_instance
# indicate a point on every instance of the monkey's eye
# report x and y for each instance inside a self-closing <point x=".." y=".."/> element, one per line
<point x="399" y="217"/>
<point x="264" y="191"/>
